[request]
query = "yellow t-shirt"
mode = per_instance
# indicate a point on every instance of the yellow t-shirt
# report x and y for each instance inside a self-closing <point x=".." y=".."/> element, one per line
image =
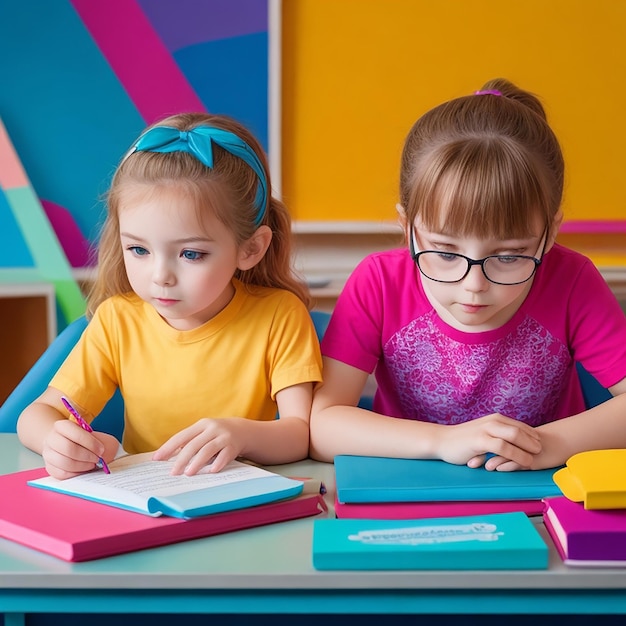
<point x="232" y="366"/>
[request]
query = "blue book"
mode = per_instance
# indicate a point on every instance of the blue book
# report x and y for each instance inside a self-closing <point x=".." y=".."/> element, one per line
<point x="507" y="541"/>
<point x="369" y="479"/>
<point x="137" y="483"/>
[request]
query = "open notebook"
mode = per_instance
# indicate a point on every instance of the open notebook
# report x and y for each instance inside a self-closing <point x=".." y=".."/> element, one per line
<point x="137" y="483"/>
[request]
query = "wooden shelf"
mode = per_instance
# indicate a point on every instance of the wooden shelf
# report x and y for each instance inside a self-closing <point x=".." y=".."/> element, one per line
<point x="302" y="227"/>
<point x="328" y="252"/>
<point x="28" y="324"/>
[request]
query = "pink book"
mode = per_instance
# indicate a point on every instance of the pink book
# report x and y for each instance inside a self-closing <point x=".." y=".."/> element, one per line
<point x="74" y="529"/>
<point x="584" y="537"/>
<point x="418" y="510"/>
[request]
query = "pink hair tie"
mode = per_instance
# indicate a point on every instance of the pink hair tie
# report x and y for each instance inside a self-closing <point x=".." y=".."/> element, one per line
<point x="487" y="92"/>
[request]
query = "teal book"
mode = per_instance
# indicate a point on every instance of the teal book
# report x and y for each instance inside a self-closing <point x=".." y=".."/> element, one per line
<point x="137" y="483"/>
<point x="502" y="541"/>
<point x="368" y="479"/>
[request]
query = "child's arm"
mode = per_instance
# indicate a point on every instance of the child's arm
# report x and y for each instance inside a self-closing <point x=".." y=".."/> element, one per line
<point x="66" y="448"/>
<point x="339" y="427"/>
<point x="601" y="427"/>
<point x="219" y="441"/>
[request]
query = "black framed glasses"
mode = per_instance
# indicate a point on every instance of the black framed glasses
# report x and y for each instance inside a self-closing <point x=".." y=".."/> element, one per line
<point x="451" y="267"/>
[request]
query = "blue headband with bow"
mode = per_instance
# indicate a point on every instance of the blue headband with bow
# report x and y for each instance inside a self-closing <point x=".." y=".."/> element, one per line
<point x="199" y="143"/>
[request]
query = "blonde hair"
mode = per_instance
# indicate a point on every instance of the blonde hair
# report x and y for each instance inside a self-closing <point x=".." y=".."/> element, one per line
<point x="228" y="188"/>
<point x="484" y="164"/>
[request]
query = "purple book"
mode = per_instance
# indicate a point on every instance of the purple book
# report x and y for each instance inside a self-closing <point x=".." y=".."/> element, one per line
<point x="586" y="537"/>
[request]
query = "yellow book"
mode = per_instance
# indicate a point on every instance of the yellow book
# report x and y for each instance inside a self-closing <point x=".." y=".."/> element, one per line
<point x="596" y="478"/>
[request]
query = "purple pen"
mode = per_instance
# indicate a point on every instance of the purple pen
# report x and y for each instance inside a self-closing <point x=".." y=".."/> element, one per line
<point x="85" y="426"/>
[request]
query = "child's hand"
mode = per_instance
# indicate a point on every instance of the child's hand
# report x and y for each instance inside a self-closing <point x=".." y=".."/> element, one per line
<point x="208" y="441"/>
<point x="68" y="450"/>
<point x="554" y="450"/>
<point x="510" y="441"/>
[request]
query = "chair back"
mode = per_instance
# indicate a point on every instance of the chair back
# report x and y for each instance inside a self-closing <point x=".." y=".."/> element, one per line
<point x="111" y="419"/>
<point x="593" y="392"/>
<point x="37" y="378"/>
<point x="35" y="382"/>
<point x="320" y="321"/>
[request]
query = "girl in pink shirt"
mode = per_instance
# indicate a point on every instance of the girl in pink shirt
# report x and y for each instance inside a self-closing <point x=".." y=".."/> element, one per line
<point x="474" y="328"/>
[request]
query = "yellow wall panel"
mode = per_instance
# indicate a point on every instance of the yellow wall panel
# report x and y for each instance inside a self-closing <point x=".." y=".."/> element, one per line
<point x="357" y="73"/>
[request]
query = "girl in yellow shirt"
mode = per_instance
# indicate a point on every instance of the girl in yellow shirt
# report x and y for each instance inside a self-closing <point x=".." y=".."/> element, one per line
<point x="195" y="314"/>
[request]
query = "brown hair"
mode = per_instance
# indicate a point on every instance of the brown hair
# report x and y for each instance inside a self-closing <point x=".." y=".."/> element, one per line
<point x="228" y="188"/>
<point x="483" y="165"/>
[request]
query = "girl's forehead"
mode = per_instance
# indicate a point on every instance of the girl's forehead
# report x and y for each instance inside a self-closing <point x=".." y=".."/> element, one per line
<point x="179" y="211"/>
<point x="469" y="228"/>
<point x="132" y="191"/>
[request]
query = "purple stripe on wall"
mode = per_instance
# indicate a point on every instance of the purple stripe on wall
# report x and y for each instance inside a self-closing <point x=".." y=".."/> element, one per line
<point x="212" y="20"/>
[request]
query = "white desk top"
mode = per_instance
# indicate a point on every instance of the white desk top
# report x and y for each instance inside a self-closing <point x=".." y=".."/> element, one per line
<point x="275" y="562"/>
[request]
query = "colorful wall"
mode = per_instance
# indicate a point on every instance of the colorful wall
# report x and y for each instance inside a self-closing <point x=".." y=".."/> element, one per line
<point x="80" y="79"/>
<point x="357" y="73"/>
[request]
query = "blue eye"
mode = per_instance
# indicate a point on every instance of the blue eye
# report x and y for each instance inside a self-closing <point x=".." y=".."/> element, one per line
<point x="508" y="259"/>
<point x="138" y="250"/>
<point x="448" y="256"/>
<point x="192" y="255"/>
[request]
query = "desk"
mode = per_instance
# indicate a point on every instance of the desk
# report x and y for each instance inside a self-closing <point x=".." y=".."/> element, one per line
<point x="268" y="570"/>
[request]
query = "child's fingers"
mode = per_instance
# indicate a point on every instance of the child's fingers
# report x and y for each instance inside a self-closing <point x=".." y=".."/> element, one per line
<point x="504" y="450"/>
<point x="61" y="466"/>
<point x="477" y="461"/>
<point x="71" y="441"/>
<point x="500" y="464"/>
<point x="173" y="445"/>
<point x="516" y="434"/>
<point x="221" y="460"/>
<point x="195" y="455"/>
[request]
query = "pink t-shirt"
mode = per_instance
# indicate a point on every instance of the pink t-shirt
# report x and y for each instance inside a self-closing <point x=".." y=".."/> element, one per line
<point x="427" y="370"/>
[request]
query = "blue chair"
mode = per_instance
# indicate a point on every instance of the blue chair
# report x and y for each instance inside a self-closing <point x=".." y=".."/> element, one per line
<point x="320" y="321"/>
<point x="593" y="392"/>
<point x="111" y="419"/>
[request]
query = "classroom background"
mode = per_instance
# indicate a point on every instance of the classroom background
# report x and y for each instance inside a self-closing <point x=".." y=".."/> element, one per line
<point x="330" y="89"/>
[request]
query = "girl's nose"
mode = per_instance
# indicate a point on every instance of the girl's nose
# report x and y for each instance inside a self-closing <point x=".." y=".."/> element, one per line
<point x="162" y="274"/>
<point x="476" y="279"/>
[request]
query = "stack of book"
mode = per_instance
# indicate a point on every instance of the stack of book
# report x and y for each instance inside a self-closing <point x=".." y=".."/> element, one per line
<point x="387" y="488"/>
<point x="588" y="522"/>
<point x="427" y="514"/>
<point x="141" y="505"/>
